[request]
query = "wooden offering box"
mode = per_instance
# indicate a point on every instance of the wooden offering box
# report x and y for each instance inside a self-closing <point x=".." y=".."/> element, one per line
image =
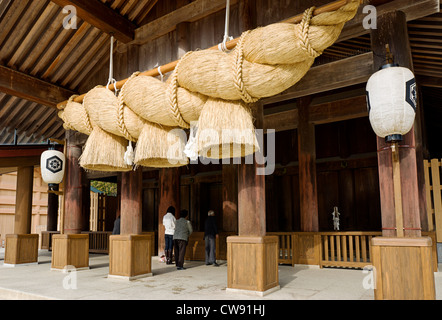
<point x="252" y="264"/>
<point x="70" y="250"/>
<point x="21" y="249"/>
<point x="130" y="256"/>
<point x="403" y="268"/>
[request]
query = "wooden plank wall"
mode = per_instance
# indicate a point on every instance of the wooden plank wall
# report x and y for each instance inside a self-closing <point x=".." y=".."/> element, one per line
<point x="7" y="203"/>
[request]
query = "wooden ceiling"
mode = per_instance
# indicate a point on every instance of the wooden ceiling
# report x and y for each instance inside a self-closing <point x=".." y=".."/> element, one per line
<point x="35" y="47"/>
<point x="34" y="42"/>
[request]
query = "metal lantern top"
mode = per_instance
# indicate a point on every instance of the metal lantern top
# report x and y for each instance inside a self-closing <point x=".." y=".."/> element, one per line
<point x="391" y="101"/>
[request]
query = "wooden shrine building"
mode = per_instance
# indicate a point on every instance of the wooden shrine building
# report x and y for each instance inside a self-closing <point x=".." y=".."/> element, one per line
<point x="326" y="154"/>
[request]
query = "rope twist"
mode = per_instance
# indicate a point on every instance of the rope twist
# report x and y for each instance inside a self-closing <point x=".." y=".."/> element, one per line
<point x="238" y="71"/>
<point x="172" y="96"/>
<point x="305" y="40"/>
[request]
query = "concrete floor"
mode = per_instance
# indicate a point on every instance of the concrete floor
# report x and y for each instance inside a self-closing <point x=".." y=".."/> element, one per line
<point x="197" y="282"/>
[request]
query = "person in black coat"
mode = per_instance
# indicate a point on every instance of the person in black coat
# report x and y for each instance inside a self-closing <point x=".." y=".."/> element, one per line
<point x="210" y="235"/>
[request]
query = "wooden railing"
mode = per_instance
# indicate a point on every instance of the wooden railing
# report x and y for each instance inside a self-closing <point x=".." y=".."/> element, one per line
<point x="46" y="239"/>
<point x="285" y="243"/>
<point x="346" y="249"/>
<point x="350" y="249"/>
<point x="98" y="241"/>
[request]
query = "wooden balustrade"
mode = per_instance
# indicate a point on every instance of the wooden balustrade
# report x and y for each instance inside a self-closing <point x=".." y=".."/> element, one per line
<point x="98" y="241"/>
<point x="346" y="249"/>
<point x="285" y="246"/>
<point x="350" y="249"/>
<point x="46" y="239"/>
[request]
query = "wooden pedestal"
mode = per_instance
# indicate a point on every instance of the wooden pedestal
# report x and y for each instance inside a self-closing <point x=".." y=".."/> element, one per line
<point x="70" y="250"/>
<point x="21" y="249"/>
<point x="403" y="268"/>
<point x="252" y="264"/>
<point x="130" y="256"/>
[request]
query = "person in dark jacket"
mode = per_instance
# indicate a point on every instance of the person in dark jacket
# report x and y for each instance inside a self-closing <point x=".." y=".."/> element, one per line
<point x="183" y="229"/>
<point x="210" y="235"/>
<point x="116" y="229"/>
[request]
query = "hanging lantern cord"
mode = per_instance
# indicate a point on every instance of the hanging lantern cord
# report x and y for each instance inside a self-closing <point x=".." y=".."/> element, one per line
<point x="111" y="67"/>
<point x="222" y="46"/>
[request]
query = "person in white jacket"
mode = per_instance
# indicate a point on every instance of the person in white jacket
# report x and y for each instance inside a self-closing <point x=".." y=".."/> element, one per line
<point x="169" y="222"/>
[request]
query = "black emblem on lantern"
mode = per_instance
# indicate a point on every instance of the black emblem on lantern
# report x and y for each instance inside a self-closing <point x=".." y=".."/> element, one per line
<point x="54" y="164"/>
<point x="411" y="93"/>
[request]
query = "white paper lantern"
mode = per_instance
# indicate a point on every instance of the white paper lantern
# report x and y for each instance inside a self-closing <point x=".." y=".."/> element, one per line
<point x="52" y="164"/>
<point x="391" y="101"/>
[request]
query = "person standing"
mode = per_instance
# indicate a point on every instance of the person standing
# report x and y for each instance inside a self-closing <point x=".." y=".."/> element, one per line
<point x="116" y="229"/>
<point x="210" y="235"/>
<point x="169" y="222"/>
<point x="183" y="230"/>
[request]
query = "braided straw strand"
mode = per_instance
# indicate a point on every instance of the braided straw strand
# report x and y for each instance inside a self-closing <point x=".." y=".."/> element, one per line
<point x="305" y="40"/>
<point x="238" y="72"/>
<point x="121" y="105"/>
<point x="172" y="92"/>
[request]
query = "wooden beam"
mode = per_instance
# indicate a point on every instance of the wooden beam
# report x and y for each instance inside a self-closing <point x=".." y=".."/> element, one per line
<point x="131" y="202"/>
<point x="413" y="9"/>
<point x="344" y="109"/>
<point x="429" y="81"/>
<point x="74" y="176"/>
<point x="169" y="195"/>
<point x="308" y="200"/>
<point x="102" y="17"/>
<point x="251" y="191"/>
<point x="330" y="76"/>
<point x="23" y="86"/>
<point x="194" y="11"/>
<point x="23" y="202"/>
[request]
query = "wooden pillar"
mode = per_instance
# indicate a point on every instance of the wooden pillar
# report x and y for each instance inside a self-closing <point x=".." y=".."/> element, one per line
<point x="73" y="193"/>
<point x="131" y="202"/>
<point x="251" y="192"/>
<point x="169" y="184"/>
<point x="307" y="168"/>
<point x="392" y="30"/>
<point x="403" y="265"/>
<point x="85" y="203"/>
<point x="52" y="217"/>
<point x="23" y="200"/>
<point x="230" y="197"/>
<point x="252" y="256"/>
<point x="71" y="248"/>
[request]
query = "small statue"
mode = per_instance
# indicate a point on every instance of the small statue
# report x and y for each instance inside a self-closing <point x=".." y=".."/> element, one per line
<point x="336" y="215"/>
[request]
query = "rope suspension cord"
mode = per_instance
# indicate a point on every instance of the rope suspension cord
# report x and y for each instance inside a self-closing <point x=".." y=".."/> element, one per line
<point x="222" y="46"/>
<point x="229" y="45"/>
<point x="111" y="67"/>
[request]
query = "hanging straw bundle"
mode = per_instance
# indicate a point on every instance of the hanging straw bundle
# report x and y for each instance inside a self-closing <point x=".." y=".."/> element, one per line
<point x="157" y="102"/>
<point x="104" y="151"/>
<point x="75" y="117"/>
<point x="160" y="147"/>
<point x="225" y="130"/>
<point x="111" y="114"/>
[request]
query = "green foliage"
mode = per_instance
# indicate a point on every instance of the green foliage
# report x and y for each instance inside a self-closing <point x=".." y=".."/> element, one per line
<point x="109" y="188"/>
